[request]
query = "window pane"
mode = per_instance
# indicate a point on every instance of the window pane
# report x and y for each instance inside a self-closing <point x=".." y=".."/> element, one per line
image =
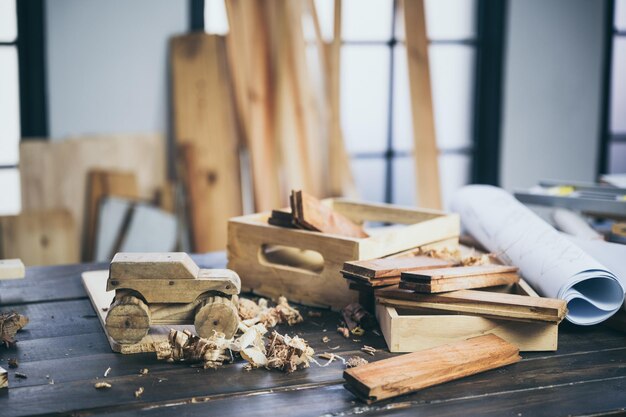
<point x="9" y="106"/>
<point x="404" y="181"/>
<point x="454" y="172"/>
<point x="369" y="175"/>
<point x="452" y="79"/>
<point x="364" y="97"/>
<point x="368" y="20"/>
<point x="445" y="20"/>
<point x="215" y="19"/>
<point x="8" y="21"/>
<point x="618" y="86"/>
<point x="620" y="14"/>
<point x="617" y="158"/>
<point x="10" y="203"/>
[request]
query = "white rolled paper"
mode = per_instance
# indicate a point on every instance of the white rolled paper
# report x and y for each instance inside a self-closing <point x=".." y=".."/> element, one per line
<point x="553" y="265"/>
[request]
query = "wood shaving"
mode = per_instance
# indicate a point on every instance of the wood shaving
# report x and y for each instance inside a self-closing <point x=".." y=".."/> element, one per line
<point x="314" y="314"/>
<point x="186" y="347"/>
<point x="354" y="361"/>
<point x="343" y="331"/>
<point x="10" y="324"/>
<point x="330" y="357"/>
<point x="106" y="373"/>
<point x="20" y="375"/>
<point x="357" y="331"/>
<point x="444" y="253"/>
<point x="251" y="312"/>
<point x="143" y="371"/>
<point x="139" y="392"/>
<point x="288" y="353"/>
<point x="369" y="350"/>
<point x="325" y="339"/>
<point x="101" y="385"/>
<point x="248" y="309"/>
<point x="13" y="363"/>
<point x="473" y="260"/>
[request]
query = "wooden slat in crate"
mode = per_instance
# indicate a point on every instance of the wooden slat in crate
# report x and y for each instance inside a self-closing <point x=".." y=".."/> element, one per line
<point x="251" y="241"/>
<point x="204" y="126"/>
<point x="409" y="331"/>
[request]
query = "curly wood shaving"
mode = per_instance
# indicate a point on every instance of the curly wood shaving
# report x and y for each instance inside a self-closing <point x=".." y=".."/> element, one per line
<point x="354" y="361"/>
<point x="251" y="312"/>
<point x="368" y="349"/>
<point x="288" y="353"/>
<point x="343" y="331"/>
<point x="10" y="324"/>
<point x="101" y="385"/>
<point x="186" y="347"/>
<point x="330" y="357"/>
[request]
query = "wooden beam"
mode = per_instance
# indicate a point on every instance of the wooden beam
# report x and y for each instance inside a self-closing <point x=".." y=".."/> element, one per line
<point x="408" y="373"/>
<point x="424" y="135"/>
<point x="483" y="303"/>
<point x="204" y="124"/>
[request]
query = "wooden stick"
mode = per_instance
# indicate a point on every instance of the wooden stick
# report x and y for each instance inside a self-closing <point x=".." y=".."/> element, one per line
<point x="424" y="137"/>
<point x="408" y="373"/>
<point x="483" y="303"/>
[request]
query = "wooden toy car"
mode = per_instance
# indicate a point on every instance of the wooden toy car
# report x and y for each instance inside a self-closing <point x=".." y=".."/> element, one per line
<point x="169" y="288"/>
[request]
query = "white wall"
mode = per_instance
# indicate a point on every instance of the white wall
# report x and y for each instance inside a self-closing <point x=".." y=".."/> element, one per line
<point x="552" y="91"/>
<point x="107" y="64"/>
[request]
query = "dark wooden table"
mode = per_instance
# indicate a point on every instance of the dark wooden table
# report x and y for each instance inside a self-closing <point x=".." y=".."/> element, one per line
<point x="63" y="351"/>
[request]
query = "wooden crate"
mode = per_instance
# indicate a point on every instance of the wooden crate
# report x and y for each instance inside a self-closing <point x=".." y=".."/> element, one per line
<point x="412" y="330"/>
<point x="304" y="266"/>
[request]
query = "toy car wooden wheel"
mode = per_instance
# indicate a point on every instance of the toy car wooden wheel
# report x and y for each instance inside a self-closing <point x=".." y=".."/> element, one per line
<point x="128" y="319"/>
<point x="218" y="314"/>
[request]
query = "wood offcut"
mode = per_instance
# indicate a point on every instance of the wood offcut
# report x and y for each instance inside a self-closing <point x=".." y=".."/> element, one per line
<point x="408" y="373"/>
<point x="458" y="278"/>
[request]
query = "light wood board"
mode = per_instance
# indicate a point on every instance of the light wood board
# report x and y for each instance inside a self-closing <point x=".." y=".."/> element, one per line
<point x="95" y="283"/>
<point x="11" y="269"/>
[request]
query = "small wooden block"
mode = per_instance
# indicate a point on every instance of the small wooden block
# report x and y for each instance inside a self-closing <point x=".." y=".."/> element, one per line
<point x="458" y="278"/>
<point x="4" y="378"/>
<point x="414" y="371"/>
<point x="11" y="269"/>
<point x="313" y="215"/>
<point x="173" y="265"/>
<point x="392" y="267"/>
<point x="483" y="303"/>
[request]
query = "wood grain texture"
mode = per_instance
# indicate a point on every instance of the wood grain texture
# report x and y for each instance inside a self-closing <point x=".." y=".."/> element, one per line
<point x="424" y="136"/>
<point x="54" y="173"/>
<point x="128" y="319"/>
<point x="11" y="269"/>
<point x="171" y="265"/>
<point x="414" y="371"/>
<point x="100" y="184"/>
<point x="4" y="378"/>
<point x="216" y="314"/>
<point x="205" y="129"/>
<point x="484" y="303"/>
<point x="312" y="214"/>
<point x="46" y="237"/>
<point x="458" y="278"/>
<point x="392" y="267"/>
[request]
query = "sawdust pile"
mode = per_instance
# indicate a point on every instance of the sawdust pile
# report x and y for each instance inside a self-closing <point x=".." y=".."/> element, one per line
<point x="460" y="259"/>
<point x="251" y="313"/>
<point x="187" y="347"/>
<point x="10" y="324"/>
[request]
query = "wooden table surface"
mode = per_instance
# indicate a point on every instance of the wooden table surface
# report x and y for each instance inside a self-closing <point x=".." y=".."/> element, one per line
<point x="63" y="351"/>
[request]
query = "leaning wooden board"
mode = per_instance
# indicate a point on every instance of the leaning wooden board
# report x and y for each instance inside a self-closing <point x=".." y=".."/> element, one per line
<point x="412" y="330"/>
<point x="408" y="373"/>
<point x="251" y="241"/>
<point x="95" y="283"/>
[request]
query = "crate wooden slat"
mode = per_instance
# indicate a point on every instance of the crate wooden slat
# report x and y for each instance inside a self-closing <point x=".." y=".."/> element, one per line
<point x="412" y="330"/>
<point x="309" y="270"/>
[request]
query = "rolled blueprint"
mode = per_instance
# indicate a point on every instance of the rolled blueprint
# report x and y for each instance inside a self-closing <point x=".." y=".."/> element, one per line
<point x="553" y="265"/>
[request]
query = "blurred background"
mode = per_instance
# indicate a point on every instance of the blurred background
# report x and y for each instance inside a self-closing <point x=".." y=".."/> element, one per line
<point x="146" y="124"/>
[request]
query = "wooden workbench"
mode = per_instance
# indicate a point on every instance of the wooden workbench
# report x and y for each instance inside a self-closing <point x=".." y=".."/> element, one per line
<point x="63" y="351"/>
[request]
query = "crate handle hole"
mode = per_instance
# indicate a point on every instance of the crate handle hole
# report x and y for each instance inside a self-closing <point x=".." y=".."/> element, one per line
<point x="288" y="257"/>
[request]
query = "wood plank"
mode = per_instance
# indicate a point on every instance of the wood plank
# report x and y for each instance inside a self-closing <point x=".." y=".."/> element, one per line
<point x="414" y="371"/>
<point x="4" y="378"/>
<point x="149" y="229"/>
<point x="204" y="122"/>
<point x="484" y="303"/>
<point x="40" y="238"/>
<point x="458" y="278"/>
<point x="453" y="284"/>
<point x="11" y="269"/>
<point x="314" y="215"/>
<point x="104" y="183"/>
<point x="424" y="136"/>
<point x="392" y="267"/>
<point x="54" y="173"/>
